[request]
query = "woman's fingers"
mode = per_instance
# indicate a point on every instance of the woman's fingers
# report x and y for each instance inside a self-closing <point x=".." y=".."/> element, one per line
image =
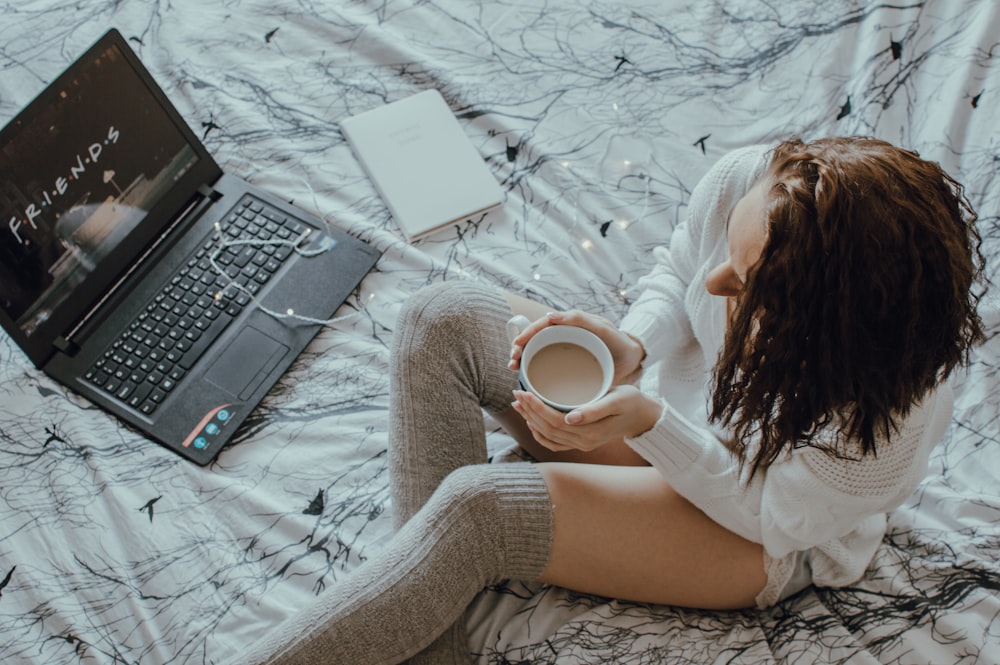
<point x="518" y="343"/>
<point x="550" y="426"/>
<point x="574" y="317"/>
<point x="543" y="421"/>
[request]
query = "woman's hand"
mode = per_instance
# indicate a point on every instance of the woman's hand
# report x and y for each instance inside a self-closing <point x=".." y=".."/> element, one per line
<point x="626" y="351"/>
<point x="623" y="412"/>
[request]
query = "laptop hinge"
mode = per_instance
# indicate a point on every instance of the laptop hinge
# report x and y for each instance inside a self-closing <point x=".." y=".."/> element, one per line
<point x="209" y="192"/>
<point x="65" y="345"/>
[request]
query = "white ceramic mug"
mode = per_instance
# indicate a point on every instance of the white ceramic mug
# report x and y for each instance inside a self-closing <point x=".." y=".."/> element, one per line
<point x="572" y="366"/>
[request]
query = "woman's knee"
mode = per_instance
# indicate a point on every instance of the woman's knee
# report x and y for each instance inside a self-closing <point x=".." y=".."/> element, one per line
<point x="449" y="308"/>
<point x="455" y="332"/>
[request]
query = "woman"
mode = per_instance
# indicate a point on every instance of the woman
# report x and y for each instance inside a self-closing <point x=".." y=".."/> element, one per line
<point x="780" y="383"/>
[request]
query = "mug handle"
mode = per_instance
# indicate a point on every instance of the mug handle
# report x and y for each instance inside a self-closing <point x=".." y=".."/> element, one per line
<point x="515" y="325"/>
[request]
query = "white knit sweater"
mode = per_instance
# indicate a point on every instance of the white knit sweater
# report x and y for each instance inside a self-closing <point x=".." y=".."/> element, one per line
<point x="806" y="500"/>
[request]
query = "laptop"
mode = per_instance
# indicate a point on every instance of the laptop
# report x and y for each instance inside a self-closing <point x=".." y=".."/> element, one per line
<point x="138" y="274"/>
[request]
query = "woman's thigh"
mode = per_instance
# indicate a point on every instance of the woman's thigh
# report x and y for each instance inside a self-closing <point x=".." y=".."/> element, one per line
<point x="623" y="532"/>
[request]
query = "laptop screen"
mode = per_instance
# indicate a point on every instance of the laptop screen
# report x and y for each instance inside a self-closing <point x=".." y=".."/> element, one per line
<point x="77" y="178"/>
<point x="81" y="171"/>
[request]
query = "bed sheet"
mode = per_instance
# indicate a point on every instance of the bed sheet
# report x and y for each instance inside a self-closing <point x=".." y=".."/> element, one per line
<point x="597" y="119"/>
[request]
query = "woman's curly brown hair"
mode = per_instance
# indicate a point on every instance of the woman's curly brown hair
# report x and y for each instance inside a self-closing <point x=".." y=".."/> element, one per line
<point x="862" y="300"/>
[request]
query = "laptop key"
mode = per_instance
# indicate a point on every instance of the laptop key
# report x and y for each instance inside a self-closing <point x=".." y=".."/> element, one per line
<point x="124" y="390"/>
<point x="199" y="346"/>
<point x="141" y="392"/>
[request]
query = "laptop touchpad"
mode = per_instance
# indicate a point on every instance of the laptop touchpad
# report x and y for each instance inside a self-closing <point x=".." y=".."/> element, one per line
<point x="246" y="362"/>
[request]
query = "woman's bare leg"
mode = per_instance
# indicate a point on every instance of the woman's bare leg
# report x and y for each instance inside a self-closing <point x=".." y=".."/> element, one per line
<point x="625" y="533"/>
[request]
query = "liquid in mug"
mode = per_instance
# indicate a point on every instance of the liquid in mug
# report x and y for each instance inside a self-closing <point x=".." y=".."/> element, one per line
<point x="565" y="373"/>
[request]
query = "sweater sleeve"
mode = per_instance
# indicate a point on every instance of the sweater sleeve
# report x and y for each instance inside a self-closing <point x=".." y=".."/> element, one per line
<point x="658" y="317"/>
<point x="805" y="498"/>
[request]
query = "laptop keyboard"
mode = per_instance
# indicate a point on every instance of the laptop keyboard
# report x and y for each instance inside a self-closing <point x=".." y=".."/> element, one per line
<point x="157" y="350"/>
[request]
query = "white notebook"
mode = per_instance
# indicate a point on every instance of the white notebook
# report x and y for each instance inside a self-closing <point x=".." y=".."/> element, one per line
<point x="422" y="163"/>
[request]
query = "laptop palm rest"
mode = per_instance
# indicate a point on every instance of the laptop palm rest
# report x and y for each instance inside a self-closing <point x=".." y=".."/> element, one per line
<point x="246" y="362"/>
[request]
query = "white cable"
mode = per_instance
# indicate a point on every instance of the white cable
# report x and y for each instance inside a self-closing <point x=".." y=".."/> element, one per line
<point x="223" y="245"/>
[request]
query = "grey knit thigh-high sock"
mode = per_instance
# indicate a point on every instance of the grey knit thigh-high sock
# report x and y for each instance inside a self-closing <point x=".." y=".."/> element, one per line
<point x="449" y="362"/>
<point x="484" y="523"/>
<point x="462" y="524"/>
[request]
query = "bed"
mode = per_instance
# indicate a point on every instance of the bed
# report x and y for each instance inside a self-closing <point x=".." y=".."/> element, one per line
<point x="597" y="119"/>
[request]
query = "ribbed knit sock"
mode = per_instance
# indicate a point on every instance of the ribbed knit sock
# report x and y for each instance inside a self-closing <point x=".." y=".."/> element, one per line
<point x="485" y="523"/>
<point x="462" y="524"/>
<point x="449" y="362"/>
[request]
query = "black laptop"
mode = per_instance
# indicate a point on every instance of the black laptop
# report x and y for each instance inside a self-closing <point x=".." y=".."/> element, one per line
<point x="137" y="273"/>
